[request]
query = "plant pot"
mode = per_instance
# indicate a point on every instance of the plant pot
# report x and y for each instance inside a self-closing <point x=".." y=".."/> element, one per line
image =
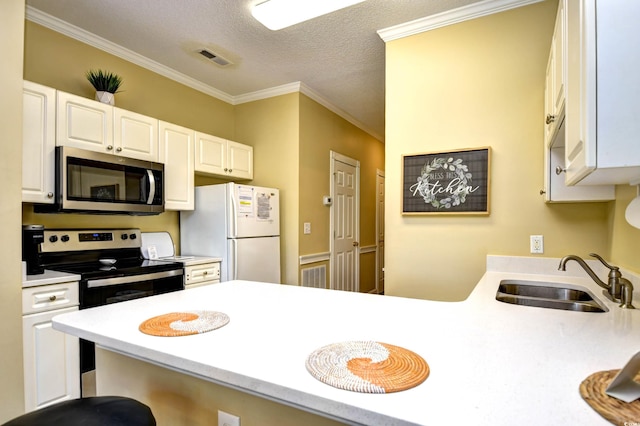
<point x="106" y="97"/>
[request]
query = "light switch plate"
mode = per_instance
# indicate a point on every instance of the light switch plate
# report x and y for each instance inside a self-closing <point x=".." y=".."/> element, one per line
<point x="307" y="227"/>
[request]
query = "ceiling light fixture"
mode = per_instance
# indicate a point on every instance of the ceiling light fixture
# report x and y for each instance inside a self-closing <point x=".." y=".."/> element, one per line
<point x="278" y="14"/>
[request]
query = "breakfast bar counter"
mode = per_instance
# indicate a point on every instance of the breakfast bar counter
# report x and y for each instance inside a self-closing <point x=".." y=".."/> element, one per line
<point x="491" y="363"/>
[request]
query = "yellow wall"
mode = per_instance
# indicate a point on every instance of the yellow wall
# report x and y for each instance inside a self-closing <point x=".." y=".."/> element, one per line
<point x="11" y="44"/>
<point x="477" y="83"/>
<point x="271" y="127"/>
<point x="623" y="238"/>
<point x="58" y="61"/>
<point x="322" y="131"/>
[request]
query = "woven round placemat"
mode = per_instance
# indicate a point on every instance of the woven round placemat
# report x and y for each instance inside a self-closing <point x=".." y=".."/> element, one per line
<point x="367" y="366"/>
<point x="183" y="323"/>
<point x="593" y="391"/>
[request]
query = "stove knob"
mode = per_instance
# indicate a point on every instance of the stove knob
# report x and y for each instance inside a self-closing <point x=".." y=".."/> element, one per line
<point x="123" y="236"/>
<point x="133" y="236"/>
<point x="53" y="238"/>
<point x="64" y="238"/>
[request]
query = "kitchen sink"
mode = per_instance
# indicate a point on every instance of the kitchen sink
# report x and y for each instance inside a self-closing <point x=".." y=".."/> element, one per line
<point x="548" y="295"/>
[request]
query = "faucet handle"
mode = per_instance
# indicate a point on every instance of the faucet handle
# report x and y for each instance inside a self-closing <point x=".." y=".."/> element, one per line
<point x="627" y="294"/>
<point x="613" y="268"/>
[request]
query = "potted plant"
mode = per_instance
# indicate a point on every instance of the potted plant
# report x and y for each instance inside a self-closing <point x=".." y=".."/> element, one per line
<point x="106" y="85"/>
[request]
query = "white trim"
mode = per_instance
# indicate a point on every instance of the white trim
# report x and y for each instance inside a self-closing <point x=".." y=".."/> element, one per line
<point x="258" y="95"/>
<point x="315" y="258"/>
<point x="77" y="33"/>
<point x="98" y="42"/>
<point x="368" y="249"/>
<point x="450" y="17"/>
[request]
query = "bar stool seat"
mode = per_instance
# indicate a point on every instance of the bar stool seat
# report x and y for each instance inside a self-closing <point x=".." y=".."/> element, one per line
<point x="93" y="411"/>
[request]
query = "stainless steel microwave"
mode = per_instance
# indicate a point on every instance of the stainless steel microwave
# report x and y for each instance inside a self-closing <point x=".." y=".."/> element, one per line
<point x="94" y="182"/>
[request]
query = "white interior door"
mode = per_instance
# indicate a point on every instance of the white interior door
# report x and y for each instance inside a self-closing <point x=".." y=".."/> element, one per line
<point x="380" y="232"/>
<point x="345" y="223"/>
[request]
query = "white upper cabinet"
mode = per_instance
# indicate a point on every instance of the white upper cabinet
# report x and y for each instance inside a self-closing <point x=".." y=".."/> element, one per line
<point x="38" y="143"/>
<point x="602" y="108"/>
<point x="555" y="78"/>
<point x="222" y="157"/>
<point x="177" y="154"/>
<point x="88" y="124"/>
<point x="135" y="135"/>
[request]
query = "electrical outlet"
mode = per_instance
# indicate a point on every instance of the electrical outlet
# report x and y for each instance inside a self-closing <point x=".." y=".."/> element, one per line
<point x="226" y="419"/>
<point x="537" y="244"/>
<point x="307" y="227"/>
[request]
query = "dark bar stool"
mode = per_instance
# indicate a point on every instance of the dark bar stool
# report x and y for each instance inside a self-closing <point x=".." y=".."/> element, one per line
<point x="93" y="411"/>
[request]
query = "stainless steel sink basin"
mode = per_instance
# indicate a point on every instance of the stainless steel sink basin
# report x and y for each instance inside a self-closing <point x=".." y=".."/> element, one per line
<point x="548" y="295"/>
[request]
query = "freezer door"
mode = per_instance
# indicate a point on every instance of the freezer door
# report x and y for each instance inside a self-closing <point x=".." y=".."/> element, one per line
<point x="254" y="211"/>
<point x="254" y="259"/>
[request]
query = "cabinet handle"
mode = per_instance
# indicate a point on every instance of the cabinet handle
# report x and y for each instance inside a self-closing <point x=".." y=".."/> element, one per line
<point x="109" y="147"/>
<point x="52" y="298"/>
<point x="542" y="192"/>
<point x="49" y="194"/>
<point x="560" y="170"/>
<point x="118" y="149"/>
<point x="550" y="118"/>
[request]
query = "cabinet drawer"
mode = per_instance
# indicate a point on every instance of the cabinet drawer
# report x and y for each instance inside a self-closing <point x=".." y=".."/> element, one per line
<point x="49" y="297"/>
<point x="200" y="273"/>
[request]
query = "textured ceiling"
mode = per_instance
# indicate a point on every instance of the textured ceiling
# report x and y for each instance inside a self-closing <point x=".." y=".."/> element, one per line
<point x="339" y="56"/>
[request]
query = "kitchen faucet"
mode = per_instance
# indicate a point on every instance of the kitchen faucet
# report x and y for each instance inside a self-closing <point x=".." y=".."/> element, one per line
<point x="618" y="289"/>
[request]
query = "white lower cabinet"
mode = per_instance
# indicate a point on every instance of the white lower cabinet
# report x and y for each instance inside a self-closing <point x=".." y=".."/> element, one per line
<point x="51" y="358"/>
<point x="176" y="152"/>
<point x="203" y="274"/>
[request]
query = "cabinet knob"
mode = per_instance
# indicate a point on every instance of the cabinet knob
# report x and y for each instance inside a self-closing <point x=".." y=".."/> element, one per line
<point x="226" y="170"/>
<point x="109" y="147"/>
<point x="560" y="170"/>
<point x="542" y="192"/>
<point x="230" y="170"/>
<point x="205" y="272"/>
<point x="52" y="298"/>
<point x="49" y="194"/>
<point x="118" y="149"/>
<point x="550" y="118"/>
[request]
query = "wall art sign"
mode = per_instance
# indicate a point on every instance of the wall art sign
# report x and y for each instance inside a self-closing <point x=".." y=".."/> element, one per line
<point x="452" y="182"/>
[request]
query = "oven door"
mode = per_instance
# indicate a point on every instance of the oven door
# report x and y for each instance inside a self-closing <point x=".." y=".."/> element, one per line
<point x="103" y="291"/>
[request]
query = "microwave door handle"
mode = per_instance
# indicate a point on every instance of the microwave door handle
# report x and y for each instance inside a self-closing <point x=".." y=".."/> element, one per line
<point x="152" y="187"/>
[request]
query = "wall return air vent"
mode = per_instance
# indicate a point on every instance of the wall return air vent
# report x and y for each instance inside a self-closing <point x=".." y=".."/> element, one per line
<point x="215" y="57"/>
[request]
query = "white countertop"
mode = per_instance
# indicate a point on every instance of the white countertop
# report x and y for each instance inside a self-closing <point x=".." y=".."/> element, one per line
<point x="49" y="277"/>
<point x="491" y="363"/>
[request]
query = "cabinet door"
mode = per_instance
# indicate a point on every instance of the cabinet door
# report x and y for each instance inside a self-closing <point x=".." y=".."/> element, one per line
<point x="83" y="123"/>
<point x="211" y="154"/>
<point x="38" y="143"/>
<point x="176" y="152"/>
<point x="240" y="160"/>
<point x="51" y="361"/>
<point x="135" y="135"/>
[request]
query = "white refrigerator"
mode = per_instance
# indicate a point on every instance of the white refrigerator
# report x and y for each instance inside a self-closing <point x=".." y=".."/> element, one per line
<point x="240" y="224"/>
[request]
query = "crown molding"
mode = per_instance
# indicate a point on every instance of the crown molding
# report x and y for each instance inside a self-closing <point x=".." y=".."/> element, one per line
<point x="454" y="16"/>
<point x="308" y="91"/>
<point x="98" y="42"/>
<point x="105" y="45"/>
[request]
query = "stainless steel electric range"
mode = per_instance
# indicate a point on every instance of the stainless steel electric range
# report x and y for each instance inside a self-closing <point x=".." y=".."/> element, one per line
<point x="111" y="268"/>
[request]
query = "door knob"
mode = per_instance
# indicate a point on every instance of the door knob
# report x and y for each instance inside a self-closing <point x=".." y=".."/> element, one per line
<point x="355" y="244"/>
<point x="550" y="119"/>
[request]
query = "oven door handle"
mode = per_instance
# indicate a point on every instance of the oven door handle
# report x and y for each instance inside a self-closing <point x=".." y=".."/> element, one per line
<point x="103" y="282"/>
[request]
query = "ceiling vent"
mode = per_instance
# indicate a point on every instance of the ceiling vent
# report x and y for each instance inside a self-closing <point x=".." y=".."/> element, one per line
<point x="214" y="57"/>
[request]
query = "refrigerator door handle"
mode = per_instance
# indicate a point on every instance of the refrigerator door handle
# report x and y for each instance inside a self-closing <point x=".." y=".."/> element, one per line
<point x="233" y="222"/>
<point x="233" y="256"/>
